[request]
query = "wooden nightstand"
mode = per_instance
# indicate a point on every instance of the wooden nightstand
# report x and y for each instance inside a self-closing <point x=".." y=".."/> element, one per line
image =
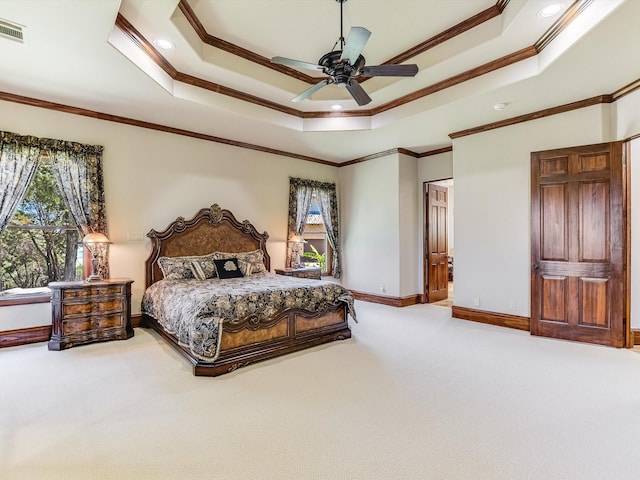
<point x="304" y="272"/>
<point x="86" y="312"/>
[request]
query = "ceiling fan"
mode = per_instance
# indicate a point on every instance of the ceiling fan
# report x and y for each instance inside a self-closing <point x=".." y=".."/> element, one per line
<point x="345" y="65"/>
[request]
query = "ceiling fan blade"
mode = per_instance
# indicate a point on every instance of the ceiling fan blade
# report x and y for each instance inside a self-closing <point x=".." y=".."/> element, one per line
<point x="390" y="71"/>
<point x="295" y="63"/>
<point x="358" y="93"/>
<point x="356" y="40"/>
<point x="310" y="91"/>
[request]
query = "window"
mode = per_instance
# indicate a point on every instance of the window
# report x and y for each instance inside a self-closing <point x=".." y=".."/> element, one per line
<point x="41" y="243"/>
<point x="317" y="250"/>
<point x="319" y="198"/>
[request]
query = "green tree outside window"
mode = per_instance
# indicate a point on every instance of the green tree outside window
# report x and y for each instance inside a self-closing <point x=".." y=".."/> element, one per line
<point x="41" y="243"/>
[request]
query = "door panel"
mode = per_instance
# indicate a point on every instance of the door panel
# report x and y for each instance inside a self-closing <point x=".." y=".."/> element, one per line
<point x="594" y="222"/>
<point x="436" y="248"/>
<point x="554" y="214"/>
<point x="593" y="302"/>
<point x="578" y="244"/>
<point x="554" y="291"/>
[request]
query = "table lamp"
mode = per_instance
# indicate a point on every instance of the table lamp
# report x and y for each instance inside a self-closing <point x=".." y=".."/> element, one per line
<point x="297" y="240"/>
<point x="92" y="241"/>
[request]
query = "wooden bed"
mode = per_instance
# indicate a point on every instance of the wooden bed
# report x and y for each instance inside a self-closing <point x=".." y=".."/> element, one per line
<point x="250" y="339"/>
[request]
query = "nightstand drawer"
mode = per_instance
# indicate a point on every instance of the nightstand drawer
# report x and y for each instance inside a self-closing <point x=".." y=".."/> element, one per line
<point x="91" y="292"/>
<point x="82" y="325"/>
<point x="110" y="321"/>
<point x="87" y="308"/>
<point x="74" y="327"/>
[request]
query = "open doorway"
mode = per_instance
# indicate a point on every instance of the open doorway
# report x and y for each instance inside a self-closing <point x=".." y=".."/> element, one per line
<point x="439" y="257"/>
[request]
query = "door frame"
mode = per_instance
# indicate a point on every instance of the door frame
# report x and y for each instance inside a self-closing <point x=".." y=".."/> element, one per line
<point x="626" y="212"/>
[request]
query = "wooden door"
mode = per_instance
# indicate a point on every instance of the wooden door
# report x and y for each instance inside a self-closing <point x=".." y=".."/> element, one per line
<point x="578" y="244"/>
<point x="436" y="247"/>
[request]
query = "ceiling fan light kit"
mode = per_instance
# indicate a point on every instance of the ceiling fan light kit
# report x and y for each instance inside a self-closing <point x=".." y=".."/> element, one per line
<point x="344" y="66"/>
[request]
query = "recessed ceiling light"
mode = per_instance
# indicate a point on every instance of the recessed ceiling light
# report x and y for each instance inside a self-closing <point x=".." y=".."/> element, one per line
<point x="336" y="107"/>
<point x="550" y="10"/>
<point x="500" y="106"/>
<point x="163" y="43"/>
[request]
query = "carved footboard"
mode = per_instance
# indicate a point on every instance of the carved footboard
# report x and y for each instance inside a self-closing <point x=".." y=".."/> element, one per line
<point x="248" y="340"/>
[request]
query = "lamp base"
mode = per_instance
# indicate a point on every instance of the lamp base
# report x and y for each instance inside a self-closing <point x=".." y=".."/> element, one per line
<point x="94" y="278"/>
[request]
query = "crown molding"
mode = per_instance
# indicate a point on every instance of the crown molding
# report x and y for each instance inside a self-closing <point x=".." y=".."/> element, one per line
<point x="626" y="90"/>
<point x="234" y="49"/>
<point x="58" y="107"/>
<point x="570" y="14"/>
<point x="588" y="102"/>
<point x="450" y="33"/>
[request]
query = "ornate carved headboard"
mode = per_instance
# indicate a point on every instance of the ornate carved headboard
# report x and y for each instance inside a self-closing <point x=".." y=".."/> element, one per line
<point x="211" y="229"/>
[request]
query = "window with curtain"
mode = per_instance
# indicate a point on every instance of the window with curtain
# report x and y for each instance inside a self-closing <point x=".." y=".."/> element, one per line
<point x="52" y="195"/>
<point x="304" y="193"/>
<point x="41" y="243"/>
<point x="316" y="250"/>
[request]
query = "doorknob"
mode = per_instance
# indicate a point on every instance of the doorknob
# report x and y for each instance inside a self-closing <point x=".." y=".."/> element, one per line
<point x="536" y="267"/>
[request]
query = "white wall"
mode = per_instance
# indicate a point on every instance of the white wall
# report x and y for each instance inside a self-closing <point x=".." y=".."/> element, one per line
<point x="409" y="230"/>
<point x="626" y="116"/>
<point x="635" y="237"/>
<point x="628" y="125"/>
<point x="15" y="317"/>
<point x="370" y="219"/>
<point x="152" y="177"/>
<point x="435" y="167"/>
<point x="492" y="218"/>
<point x="451" y="208"/>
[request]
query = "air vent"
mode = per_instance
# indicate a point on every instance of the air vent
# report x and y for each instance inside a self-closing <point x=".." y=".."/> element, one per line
<point x="12" y="31"/>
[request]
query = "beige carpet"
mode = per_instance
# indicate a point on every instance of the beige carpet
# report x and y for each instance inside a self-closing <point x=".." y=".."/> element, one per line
<point x="414" y="395"/>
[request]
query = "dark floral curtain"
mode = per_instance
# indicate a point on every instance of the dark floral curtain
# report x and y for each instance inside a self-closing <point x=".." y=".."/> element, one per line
<point x="78" y="170"/>
<point x="300" y="192"/>
<point x="18" y="161"/>
<point x="328" y="202"/>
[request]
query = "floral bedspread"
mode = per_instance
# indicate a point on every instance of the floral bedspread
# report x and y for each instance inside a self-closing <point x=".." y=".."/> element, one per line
<point x="193" y="310"/>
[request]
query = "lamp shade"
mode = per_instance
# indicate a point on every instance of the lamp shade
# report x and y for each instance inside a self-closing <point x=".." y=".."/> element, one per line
<point x="95" y="237"/>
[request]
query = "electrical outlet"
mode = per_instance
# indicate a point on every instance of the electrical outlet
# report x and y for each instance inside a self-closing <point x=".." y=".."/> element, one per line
<point x="382" y="288"/>
<point x="476" y="301"/>
<point x="513" y="306"/>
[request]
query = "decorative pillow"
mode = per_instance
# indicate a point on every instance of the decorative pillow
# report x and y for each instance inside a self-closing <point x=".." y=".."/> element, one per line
<point x="245" y="268"/>
<point x="203" y="267"/>
<point x="228" y="268"/>
<point x="255" y="259"/>
<point x="198" y="267"/>
<point x="175" y="268"/>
